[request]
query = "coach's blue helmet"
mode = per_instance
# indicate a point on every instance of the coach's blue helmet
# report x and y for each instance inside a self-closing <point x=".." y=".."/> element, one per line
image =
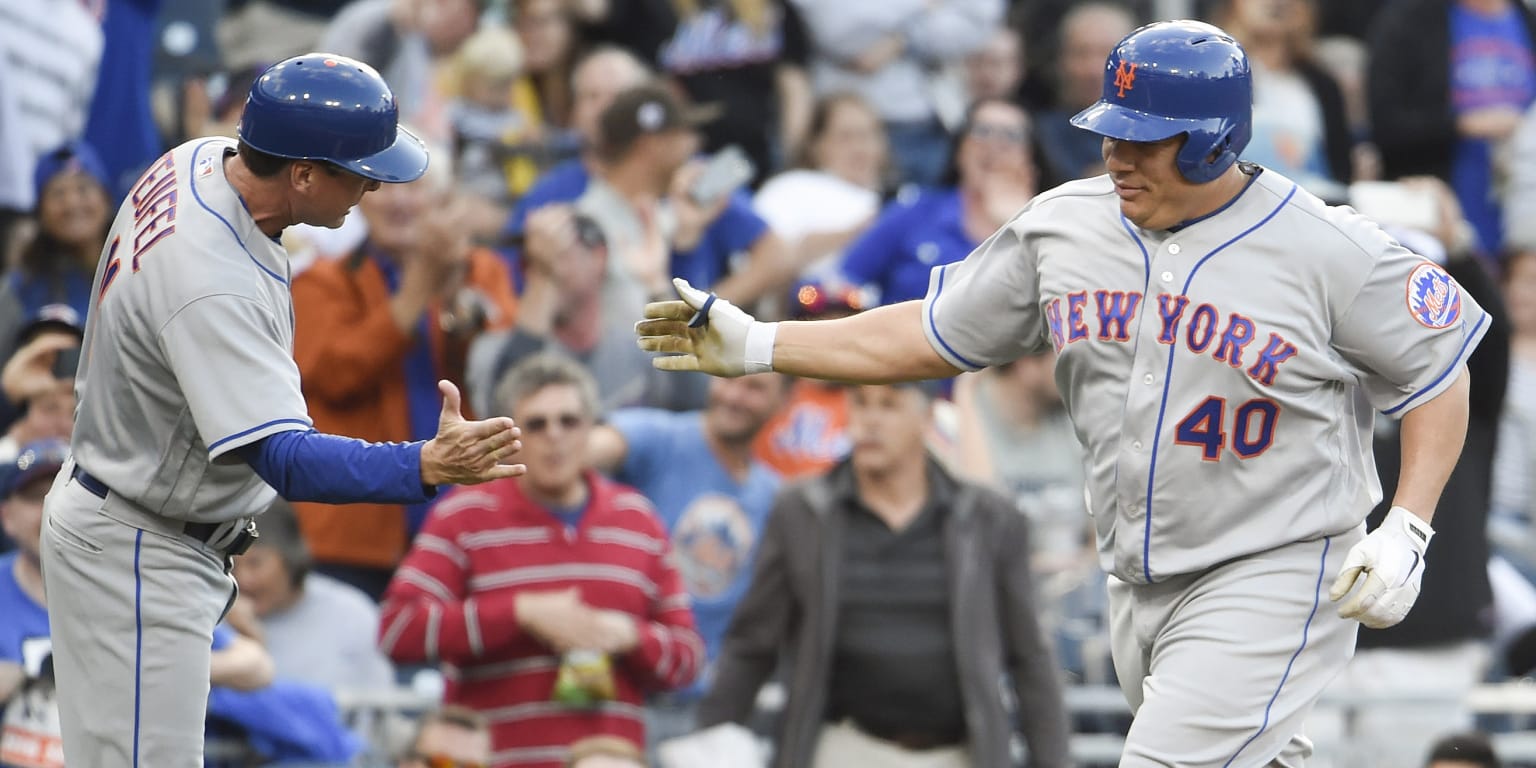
<point x="325" y="107"/>
<point x="1178" y="77"/>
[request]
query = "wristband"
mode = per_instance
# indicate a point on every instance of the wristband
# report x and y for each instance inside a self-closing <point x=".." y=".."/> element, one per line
<point x="758" y="357"/>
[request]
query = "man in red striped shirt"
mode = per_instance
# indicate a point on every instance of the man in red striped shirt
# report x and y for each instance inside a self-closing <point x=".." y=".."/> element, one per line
<point x="508" y="576"/>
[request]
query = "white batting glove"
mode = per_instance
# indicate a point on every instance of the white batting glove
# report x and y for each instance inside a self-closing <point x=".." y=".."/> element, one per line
<point x="1387" y="567"/>
<point x="704" y="332"/>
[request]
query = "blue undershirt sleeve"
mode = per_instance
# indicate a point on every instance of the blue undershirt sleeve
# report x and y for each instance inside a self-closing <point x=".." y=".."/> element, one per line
<point x="305" y="465"/>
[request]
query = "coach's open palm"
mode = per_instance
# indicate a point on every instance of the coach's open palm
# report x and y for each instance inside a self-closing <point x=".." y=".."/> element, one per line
<point x="715" y="343"/>
<point x="467" y="452"/>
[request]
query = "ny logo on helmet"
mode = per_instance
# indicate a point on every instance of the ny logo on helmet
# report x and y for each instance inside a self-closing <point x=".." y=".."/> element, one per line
<point x="1125" y="77"/>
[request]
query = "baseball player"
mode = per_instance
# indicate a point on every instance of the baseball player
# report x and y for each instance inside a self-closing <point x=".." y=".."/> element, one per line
<point x="190" y="414"/>
<point x="1223" y="338"/>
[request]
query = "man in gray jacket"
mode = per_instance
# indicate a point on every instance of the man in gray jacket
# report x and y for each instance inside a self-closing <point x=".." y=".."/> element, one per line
<point x="904" y="597"/>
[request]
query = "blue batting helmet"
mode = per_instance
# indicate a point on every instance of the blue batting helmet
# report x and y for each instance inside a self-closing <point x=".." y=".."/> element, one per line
<point x="324" y="107"/>
<point x="1178" y="77"/>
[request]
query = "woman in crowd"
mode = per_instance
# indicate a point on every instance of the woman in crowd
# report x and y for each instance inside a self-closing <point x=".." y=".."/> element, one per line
<point x="991" y="176"/>
<point x="833" y="194"/>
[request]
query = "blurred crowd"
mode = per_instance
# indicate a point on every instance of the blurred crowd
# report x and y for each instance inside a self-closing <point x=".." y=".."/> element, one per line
<point x="756" y="571"/>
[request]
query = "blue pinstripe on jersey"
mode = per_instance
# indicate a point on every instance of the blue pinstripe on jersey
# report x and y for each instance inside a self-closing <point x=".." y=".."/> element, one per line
<point x="1317" y="593"/>
<point x="257" y="428"/>
<point x="939" y="291"/>
<point x="138" y="640"/>
<point x="1461" y="357"/>
<point x="1146" y="542"/>
<point x="192" y="182"/>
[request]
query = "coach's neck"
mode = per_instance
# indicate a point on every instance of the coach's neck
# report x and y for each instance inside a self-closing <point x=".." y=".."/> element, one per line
<point x="265" y="199"/>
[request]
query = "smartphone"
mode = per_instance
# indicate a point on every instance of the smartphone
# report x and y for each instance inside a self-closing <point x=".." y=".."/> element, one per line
<point x="725" y="172"/>
<point x="1390" y="203"/>
<point x="65" y="361"/>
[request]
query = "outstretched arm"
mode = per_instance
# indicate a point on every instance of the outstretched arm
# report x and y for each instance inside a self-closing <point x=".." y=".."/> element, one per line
<point x="880" y="346"/>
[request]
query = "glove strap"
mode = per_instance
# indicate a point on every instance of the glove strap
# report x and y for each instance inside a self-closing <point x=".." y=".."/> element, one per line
<point x="1414" y="527"/>
<point x="759" y="353"/>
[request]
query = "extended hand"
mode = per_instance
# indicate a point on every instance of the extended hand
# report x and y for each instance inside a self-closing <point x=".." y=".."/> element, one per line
<point x="1387" y="567"/>
<point x="468" y="452"/>
<point x="560" y="620"/>
<point x="725" y="341"/>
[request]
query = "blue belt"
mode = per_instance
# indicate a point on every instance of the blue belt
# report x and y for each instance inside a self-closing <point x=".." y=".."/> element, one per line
<point x="203" y="532"/>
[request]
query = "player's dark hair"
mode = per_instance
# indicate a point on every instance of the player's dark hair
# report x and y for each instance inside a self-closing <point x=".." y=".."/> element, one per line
<point x="261" y="164"/>
<point x="1471" y="748"/>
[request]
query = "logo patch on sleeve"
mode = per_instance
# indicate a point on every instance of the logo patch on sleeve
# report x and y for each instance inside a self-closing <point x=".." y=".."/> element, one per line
<point x="1434" y="299"/>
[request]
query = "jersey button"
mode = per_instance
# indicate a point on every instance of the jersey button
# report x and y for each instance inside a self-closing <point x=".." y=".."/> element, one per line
<point x="1136" y="445"/>
<point x="1167" y="277"/>
<point x="1148" y="378"/>
<point x="1174" y="249"/>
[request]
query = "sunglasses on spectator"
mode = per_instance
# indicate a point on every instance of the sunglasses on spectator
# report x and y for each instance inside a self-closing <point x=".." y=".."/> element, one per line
<point x="998" y="133"/>
<point x="534" y="425"/>
<point x="439" y="761"/>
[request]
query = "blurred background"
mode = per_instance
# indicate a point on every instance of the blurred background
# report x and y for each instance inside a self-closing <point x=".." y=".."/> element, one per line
<point x="804" y="159"/>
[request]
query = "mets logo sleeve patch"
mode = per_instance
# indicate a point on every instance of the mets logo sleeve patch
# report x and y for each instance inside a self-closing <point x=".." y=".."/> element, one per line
<point x="1433" y="297"/>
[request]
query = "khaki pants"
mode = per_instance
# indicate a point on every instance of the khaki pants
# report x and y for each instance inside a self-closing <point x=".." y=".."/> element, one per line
<point x="844" y="746"/>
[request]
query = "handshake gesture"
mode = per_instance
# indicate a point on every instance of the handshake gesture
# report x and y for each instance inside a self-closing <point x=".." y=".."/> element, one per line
<point x="1384" y="571"/>
<point x="702" y="332"/>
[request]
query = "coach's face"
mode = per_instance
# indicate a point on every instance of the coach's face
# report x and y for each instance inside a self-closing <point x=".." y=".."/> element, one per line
<point x="1153" y="194"/>
<point x="324" y="193"/>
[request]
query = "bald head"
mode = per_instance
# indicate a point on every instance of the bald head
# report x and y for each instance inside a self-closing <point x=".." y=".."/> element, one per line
<point x="598" y="77"/>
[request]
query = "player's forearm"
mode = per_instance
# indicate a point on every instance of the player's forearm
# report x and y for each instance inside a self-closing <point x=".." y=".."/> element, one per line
<point x="881" y="346"/>
<point x="244" y="666"/>
<point x="1432" y="436"/>
<point x="314" y="466"/>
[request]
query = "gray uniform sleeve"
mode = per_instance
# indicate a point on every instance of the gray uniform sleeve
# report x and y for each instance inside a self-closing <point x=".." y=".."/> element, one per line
<point x="239" y="381"/>
<point x="1407" y="331"/>
<point x="985" y="310"/>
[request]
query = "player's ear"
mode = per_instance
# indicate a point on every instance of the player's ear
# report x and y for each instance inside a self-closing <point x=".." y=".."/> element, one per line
<point x="301" y="174"/>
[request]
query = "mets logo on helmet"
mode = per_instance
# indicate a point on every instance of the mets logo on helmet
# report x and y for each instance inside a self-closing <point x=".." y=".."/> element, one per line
<point x="1125" y="78"/>
<point x="1433" y="297"/>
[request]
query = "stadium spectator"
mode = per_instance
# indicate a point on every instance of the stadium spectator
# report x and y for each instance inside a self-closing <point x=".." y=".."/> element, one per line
<point x="252" y="32"/>
<point x="451" y="737"/>
<point x="712" y="496"/>
<point x="885" y="50"/>
<point x="40" y="378"/>
<point x="833" y="193"/>
<point x="991" y="176"/>
<point x="597" y="77"/>
<point x="644" y="199"/>
<point x="905" y="598"/>
<point x="1088" y="32"/>
<point x="52" y="52"/>
<point x="570" y="305"/>
<point x="58" y="264"/>
<point x="1467" y="750"/>
<point x="375" y="333"/>
<point x="1300" y="128"/>
<point x="317" y="629"/>
<point x="1513" y="527"/>
<point x="513" y="582"/>
<point x="29" y="731"/>
<point x="550" y="47"/>
<point x="1448" y="83"/>
<point x="487" y="127"/>
<point x="749" y="56"/>
<point x="407" y="41"/>
<point x="808" y="435"/>
<point x="996" y="69"/>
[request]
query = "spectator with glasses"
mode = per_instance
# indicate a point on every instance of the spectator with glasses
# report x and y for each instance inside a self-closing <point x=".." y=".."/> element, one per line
<point x="451" y="737"/>
<point x="550" y="600"/>
<point x="990" y="177"/>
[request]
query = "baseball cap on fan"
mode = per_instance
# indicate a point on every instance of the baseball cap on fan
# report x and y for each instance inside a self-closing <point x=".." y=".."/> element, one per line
<point x="648" y="110"/>
<point x="51" y="317"/>
<point x="37" y="459"/>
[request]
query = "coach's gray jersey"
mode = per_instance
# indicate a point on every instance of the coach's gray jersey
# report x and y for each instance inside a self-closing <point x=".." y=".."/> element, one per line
<point x="188" y="345"/>
<point x="1222" y="377"/>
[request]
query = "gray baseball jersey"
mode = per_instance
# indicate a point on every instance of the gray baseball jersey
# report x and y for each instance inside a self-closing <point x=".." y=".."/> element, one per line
<point x="1221" y="377"/>
<point x="188" y="349"/>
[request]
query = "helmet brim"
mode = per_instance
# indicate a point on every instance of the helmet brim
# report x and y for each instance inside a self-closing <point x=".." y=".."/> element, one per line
<point x="1125" y="124"/>
<point x="403" y="161"/>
